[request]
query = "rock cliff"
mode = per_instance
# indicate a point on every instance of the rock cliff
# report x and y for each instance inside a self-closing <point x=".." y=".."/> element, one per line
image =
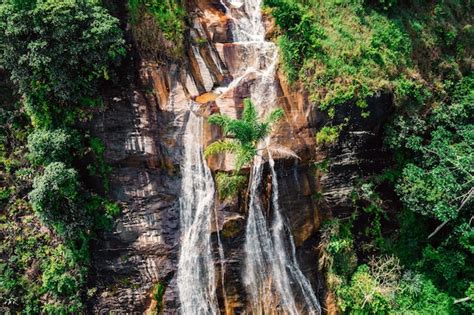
<point x="143" y="130"/>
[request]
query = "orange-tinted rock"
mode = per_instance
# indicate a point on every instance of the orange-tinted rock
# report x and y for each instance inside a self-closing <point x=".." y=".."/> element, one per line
<point x="206" y="98"/>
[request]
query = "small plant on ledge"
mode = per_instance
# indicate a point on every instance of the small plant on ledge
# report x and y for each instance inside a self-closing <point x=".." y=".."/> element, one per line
<point x="241" y="137"/>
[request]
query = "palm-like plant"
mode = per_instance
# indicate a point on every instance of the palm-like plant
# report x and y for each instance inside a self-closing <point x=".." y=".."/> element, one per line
<point x="242" y="135"/>
<point x="241" y="139"/>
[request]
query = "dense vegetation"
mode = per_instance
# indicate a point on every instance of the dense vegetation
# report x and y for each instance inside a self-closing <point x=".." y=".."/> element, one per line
<point x="420" y="52"/>
<point x="159" y="27"/>
<point x="56" y="54"/>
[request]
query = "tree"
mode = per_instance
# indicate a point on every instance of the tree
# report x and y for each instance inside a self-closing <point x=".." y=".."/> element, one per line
<point x="436" y="184"/>
<point x="242" y="135"/>
<point x="56" y="51"/>
<point x="55" y="198"/>
<point x="47" y="146"/>
<point x="241" y="138"/>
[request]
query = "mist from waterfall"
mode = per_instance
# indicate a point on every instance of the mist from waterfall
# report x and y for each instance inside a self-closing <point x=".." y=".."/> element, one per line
<point x="196" y="273"/>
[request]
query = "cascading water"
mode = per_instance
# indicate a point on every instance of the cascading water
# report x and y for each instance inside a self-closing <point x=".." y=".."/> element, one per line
<point x="272" y="275"/>
<point x="196" y="275"/>
<point x="273" y="279"/>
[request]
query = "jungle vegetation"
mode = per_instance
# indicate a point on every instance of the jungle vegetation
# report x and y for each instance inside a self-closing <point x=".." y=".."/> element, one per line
<point x="413" y="255"/>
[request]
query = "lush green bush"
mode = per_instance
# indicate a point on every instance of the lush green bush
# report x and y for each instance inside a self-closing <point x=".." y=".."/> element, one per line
<point x="47" y="146"/>
<point x="337" y="252"/>
<point x="158" y="27"/>
<point x="347" y="50"/>
<point x="56" y="51"/>
<point x="55" y="197"/>
<point x="229" y="185"/>
<point x="328" y="134"/>
<point x="435" y="153"/>
<point x="383" y="288"/>
<point x="434" y="183"/>
<point x="169" y="15"/>
<point x="339" y="50"/>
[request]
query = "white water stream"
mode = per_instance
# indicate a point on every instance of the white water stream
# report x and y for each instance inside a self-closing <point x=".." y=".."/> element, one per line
<point x="196" y="275"/>
<point x="272" y="277"/>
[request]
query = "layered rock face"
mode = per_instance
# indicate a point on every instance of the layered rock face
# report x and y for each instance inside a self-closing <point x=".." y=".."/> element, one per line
<point x="143" y="131"/>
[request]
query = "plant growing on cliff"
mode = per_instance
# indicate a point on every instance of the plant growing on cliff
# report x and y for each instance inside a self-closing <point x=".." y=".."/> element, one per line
<point x="241" y="138"/>
<point x="157" y="294"/>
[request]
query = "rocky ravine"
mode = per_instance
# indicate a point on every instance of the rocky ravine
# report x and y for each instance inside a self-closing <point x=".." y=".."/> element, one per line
<point x="143" y="132"/>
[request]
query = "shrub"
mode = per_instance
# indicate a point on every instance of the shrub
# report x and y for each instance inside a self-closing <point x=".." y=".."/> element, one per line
<point x="371" y="289"/>
<point x="337" y="252"/>
<point x="169" y="15"/>
<point x="158" y="27"/>
<point x="63" y="278"/>
<point x="328" y="134"/>
<point x="158" y="293"/>
<point x="55" y="198"/>
<point x="433" y="183"/>
<point x="99" y="166"/>
<point x="418" y="295"/>
<point x="47" y="146"/>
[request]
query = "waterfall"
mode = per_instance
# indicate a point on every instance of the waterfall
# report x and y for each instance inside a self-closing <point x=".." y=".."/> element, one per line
<point x="272" y="275"/>
<point x="196" y="275"/>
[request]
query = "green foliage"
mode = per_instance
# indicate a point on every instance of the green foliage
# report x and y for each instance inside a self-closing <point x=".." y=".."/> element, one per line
<point x="112" y="208"/>
<point x="56" y="51"/>
<point x="382" y="288"/>
<point x="47" y="146"/>
<point x="337" y="252"/>
<point x="347" y="50"/>
<point x="243" y="137"/>
<point x="55" y="198"/>
<point x="159" y="26"/>
<point x="339" y="51"/>
<point x="364" y="294"/>
<point x="418" y="295"/>
<point x="99" y="166"/>
<point x="328" y="135"/>
<point x="384" y="4"/>
<point x="38" y="274"/>
<point x="369" y="201"/>
<point x="229" y="186"/>
<point x="437" y="182"/>
<point x="435" y="154"/>
<point x="59" y="275"/>
<point x="169" y="15"/>
<point x="157" y="294"/>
